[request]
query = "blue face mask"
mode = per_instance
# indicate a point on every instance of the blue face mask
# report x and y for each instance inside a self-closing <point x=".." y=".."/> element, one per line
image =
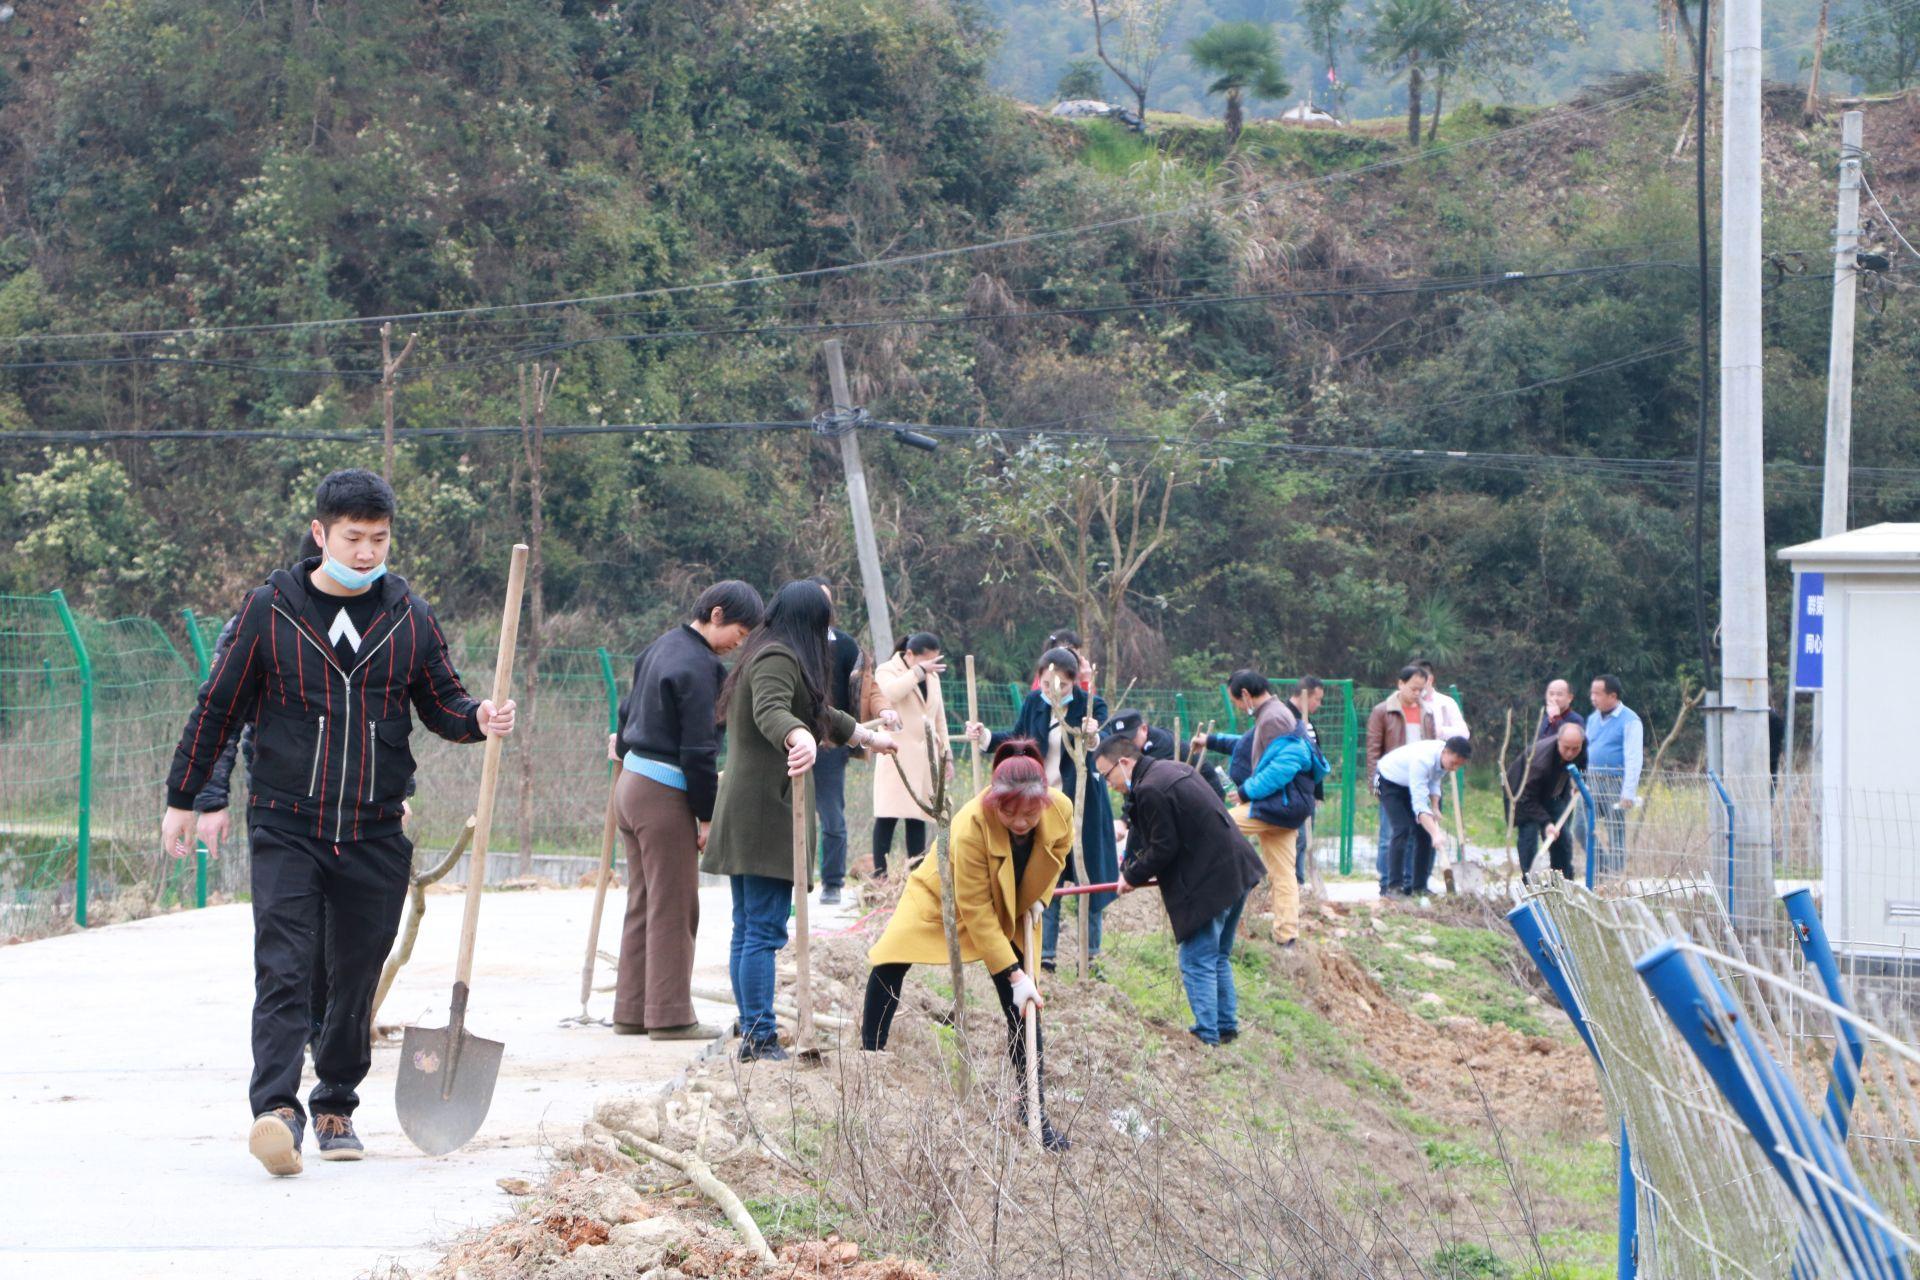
<point x="350" y="578"/>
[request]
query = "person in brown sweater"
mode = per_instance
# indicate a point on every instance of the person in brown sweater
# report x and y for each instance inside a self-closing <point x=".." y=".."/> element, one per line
<point x="1392" y="724"/>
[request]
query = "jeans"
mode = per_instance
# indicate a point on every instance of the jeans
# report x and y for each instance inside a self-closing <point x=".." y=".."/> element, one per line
<point x="1304" y="839"/>
<point x="830" y="801"/>
<point x="1206" y="970"/>
<point x="363" y="885"/>
<point x="1383" y="847"/>
<point x="760" y="908"/>
<point x="1410" y="855"/>
<point x="1050" y="927"/>
<point x="1559" y="853"/>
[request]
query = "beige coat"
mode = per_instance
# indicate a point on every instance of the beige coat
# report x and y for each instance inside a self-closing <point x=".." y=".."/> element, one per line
<point x="919" y="716"/>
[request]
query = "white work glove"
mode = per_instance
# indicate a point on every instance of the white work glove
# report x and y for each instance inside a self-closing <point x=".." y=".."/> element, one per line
<point x="802" y="750"/>
<point x="1024" y="992"/>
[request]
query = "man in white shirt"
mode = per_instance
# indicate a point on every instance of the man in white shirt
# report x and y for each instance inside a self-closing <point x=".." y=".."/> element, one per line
<point x="1410" y="781"/>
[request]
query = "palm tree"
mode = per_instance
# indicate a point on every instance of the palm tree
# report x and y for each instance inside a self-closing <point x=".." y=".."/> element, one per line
<point x="1410" y="36"/>
<point x="1241" y="55"/>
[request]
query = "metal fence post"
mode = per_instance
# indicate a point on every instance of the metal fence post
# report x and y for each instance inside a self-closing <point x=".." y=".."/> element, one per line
<point x="1226" y="706"/>
<point x="1586" y="800"/>
<point x="1349" y="731"/>
<point x="83" y="839"/>
<point x="204" y="660"/>
<point x="1726" y="803"/>
<point x="1813" y="1165"/>
<point x="613" y="690"/>
<point x="1535" y="931"/>
<point x="1852" y="1051"/>
<point x="200" y="655"/>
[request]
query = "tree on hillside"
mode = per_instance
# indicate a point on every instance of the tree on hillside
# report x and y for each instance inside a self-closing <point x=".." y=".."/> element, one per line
<point x="1323" y="19"/>
<point x="1130" y="36"/>
<point x="1882" y="45"/>
<point x="1240" y="54"/>
<point x="1083" y="78"/>
<point x="1415" y="36"/>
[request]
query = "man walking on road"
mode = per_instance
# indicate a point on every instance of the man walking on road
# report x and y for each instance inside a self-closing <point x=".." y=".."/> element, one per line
<point x="1182" y="836"/>
<point x="669" y="774"/>
<point x="1393" y="723"/>
<point x="326" y="660"/>
<point x="1410" y="781"/>
<point x="1615" y="744"/>
<point x="1305" y="702"/>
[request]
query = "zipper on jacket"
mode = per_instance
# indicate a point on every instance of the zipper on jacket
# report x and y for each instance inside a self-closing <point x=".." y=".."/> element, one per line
<point x="373" y="759"/>
<point x="319" y="746"/>
<point x="346" y="746"/>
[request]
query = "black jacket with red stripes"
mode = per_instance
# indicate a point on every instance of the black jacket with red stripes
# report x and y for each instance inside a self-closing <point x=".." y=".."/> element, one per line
<point x="331" y="758"/>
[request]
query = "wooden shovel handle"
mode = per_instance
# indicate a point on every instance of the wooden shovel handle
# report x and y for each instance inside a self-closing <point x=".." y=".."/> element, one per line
<point x="490" y="765"/>
<point x="802" y="935"/>
<point x="607" y="839"/>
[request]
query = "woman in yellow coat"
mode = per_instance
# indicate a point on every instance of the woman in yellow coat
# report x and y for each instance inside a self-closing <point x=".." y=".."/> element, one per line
<point x="1009" y="845"/>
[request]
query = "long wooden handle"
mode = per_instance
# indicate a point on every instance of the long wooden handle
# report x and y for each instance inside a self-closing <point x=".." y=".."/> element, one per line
<point x="973" y="717"/>
<point x="1031" y="1017"/>
<point x="490" y="765"/>
<point x="607" y="839"/>
<point x="1459" y="821"/>
<point x="802" y="949"/>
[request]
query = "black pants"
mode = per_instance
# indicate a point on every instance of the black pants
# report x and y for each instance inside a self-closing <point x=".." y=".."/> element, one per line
<point x="883" y="841"/>
<point x="883" y="998"/>
<point x="1410" y="856"/>
<point x="363" y="885"/>
<point x="1559" y="853"/>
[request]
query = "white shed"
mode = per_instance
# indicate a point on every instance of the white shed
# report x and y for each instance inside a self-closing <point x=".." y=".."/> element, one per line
<point x="1863" y="634"/>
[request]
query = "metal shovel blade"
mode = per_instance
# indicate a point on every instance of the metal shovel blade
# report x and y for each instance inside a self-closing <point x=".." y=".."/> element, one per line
<point x="441" y="1114"/>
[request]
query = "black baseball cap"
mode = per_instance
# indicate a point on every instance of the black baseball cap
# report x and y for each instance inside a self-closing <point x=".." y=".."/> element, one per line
<point x="1123" y="724"/>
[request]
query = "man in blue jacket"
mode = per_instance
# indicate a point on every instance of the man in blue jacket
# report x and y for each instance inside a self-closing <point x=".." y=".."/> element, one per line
<point x="1276" y="790"/>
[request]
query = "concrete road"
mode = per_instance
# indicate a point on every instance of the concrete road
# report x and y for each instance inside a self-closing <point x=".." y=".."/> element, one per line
<point x="123" y="1072"/>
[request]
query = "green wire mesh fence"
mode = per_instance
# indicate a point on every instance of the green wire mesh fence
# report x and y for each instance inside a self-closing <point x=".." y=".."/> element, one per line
<point x="90" y="710"/>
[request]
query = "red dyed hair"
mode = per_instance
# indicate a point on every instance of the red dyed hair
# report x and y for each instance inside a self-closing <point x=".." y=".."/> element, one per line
<point x="1019" y="783"/>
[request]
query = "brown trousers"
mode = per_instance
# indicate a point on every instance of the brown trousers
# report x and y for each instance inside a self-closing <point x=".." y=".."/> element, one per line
<point x="663" y="904"/>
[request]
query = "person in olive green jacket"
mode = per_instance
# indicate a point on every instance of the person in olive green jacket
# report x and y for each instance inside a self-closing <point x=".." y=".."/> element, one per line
<point x="776" y="709"/>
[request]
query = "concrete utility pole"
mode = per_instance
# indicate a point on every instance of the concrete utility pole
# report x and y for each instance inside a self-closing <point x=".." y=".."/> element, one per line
<point x="879" y="622"/>
<point x="1743" y="578"/>
<point x="1846" y="275"/>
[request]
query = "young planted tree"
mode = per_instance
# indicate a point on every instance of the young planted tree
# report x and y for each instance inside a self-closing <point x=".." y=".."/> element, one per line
<point x="1415" y="37"/>
<point x="1130" y="36"/>
<point x="1241" y="57"/>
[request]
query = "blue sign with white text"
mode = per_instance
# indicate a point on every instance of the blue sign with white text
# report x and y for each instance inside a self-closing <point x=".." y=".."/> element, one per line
<point x="1809" y="632"/>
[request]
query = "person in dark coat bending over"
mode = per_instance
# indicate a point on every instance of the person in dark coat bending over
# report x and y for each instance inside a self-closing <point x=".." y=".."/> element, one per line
<point x="1183" y="835"/>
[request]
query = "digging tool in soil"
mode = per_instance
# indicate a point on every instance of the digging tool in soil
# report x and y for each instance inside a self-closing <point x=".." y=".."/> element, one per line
<point x="804" y="1048"/>
<point x="447" y="1073"/>
<point x="607" y="840"/>
<point x="1030" y="1016"/>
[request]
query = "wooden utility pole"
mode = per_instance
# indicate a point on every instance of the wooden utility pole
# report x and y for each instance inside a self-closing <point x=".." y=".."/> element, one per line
<point x="389" y="368"/>
<point x="879" y="623"/>
<point x="1813" y="85"/>
<point x="534" y="395"/>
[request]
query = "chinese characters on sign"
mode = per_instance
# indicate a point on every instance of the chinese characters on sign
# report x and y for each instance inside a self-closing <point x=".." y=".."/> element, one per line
<point x="1809" y="631"/>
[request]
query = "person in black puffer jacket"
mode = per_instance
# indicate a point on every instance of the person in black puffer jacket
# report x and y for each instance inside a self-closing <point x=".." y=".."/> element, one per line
<point x="331" y="661"/>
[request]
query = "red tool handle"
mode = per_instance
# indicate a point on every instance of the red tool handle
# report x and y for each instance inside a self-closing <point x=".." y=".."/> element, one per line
<point x="1071" y="890"/>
